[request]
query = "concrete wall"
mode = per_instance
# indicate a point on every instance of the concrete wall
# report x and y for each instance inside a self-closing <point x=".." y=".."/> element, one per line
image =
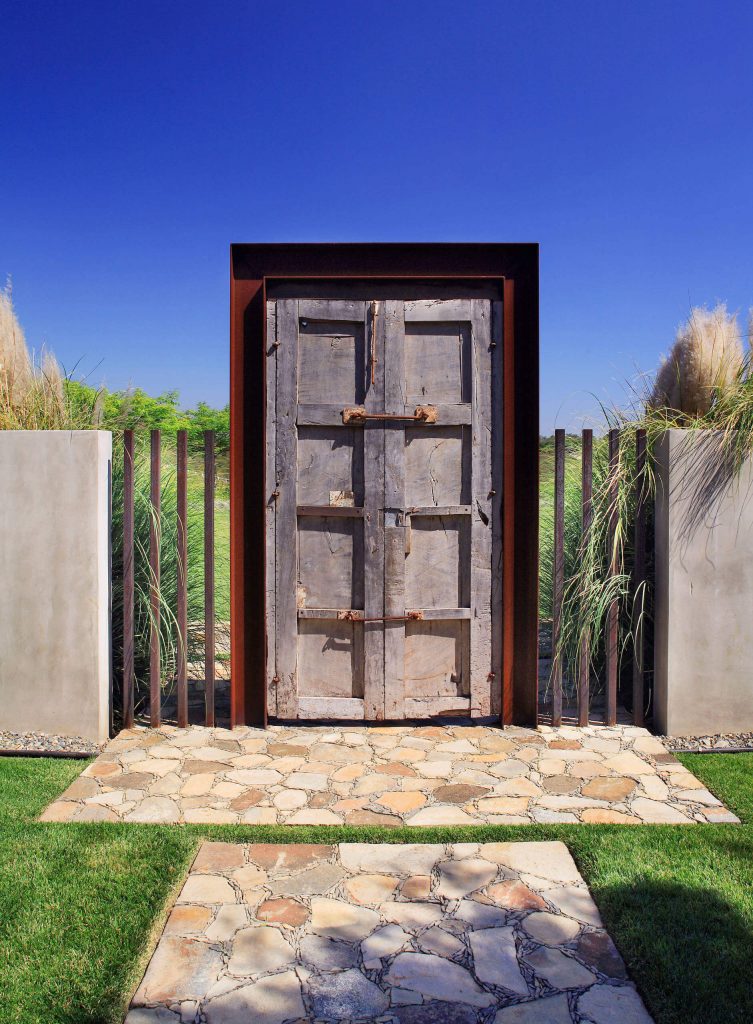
<point x="55" y="582"/>
<point x="704" y="589"/>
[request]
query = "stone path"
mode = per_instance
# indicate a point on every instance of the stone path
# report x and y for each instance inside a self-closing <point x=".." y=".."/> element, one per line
<point x="496" y="933"/>
<point x="391" y="775"/>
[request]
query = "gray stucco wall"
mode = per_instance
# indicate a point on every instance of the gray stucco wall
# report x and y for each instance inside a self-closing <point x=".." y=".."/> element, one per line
<point x="55" y="582"/>
<point x="704" y="589"/>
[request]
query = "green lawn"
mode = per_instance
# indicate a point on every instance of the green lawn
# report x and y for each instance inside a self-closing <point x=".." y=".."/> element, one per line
<point x="81" y="905"/>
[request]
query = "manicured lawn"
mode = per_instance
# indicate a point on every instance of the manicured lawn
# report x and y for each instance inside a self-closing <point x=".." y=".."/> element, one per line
<point x="81" y="905"/>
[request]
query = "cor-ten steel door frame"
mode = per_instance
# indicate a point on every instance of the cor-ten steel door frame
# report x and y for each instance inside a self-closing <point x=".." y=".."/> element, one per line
<point x="515" y="267"/>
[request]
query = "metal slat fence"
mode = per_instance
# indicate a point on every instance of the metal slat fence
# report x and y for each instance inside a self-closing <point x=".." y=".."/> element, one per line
<point x="154" y="552"/>
<point x="584" y="667"/>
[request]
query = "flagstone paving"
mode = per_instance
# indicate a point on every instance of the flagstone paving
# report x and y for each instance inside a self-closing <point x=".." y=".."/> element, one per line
<point x="401" y="775"/>
<point x="492" y="933"/>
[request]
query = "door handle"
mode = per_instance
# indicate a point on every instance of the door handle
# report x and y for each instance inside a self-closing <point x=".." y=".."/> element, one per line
<point x="351" y="616"/>
<point x="357" y="414"/>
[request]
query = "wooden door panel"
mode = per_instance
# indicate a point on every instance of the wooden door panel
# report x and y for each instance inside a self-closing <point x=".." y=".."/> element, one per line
<point x="437" y="363"/>
<point x="436" y="659"/>
<point x="330" y="466"/>
<point x="330" y="658"/>
<point x="331" y="362"/>
<point x="330" y="563"/>
<point x="435" y="569"/>
<point x="437" y="466"/>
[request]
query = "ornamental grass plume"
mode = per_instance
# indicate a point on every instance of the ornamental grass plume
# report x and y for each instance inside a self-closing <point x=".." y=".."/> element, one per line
<point x="705" y="361"/>
<point x="15" y="362"/>
<point x="34" y="394"/>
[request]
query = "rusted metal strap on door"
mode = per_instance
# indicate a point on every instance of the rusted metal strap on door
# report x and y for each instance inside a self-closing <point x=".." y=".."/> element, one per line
<point x="559" y="574"/>
<point x="612" y="629"/>
<point x="357" y="414"/>
<point x="639" y="576"/>
<point x="584" y="655"/>
<point x="182" y="583"/>
<point x="128" y="584"/>
<point x="209" y="485"/>
<point x="354" y="616"/>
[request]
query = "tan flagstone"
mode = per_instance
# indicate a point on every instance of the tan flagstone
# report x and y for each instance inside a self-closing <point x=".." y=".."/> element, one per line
<point x="402" y="802"/>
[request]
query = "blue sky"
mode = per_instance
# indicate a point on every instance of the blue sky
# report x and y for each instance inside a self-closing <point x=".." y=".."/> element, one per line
<point x="137" y="140"/>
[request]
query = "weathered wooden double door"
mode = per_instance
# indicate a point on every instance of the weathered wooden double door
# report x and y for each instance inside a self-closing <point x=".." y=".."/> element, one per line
<point x="383" y="525"/>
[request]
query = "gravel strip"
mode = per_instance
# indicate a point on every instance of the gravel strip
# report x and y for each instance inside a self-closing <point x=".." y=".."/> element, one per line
<point x="44" y="741"/>
<point x="701" y="744"/>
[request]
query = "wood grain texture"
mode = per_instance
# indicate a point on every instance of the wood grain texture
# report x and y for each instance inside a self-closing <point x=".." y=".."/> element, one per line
<point x="331" y="362"/>
<point x="373" y="525"/>
<point x="323" y="709"/>
<point x="270" y="508"/>
<point x="435" y="460"/>
<point x="286" y="464"/>
<point x="481" y="678"/>
<point x="394" y="500"/>
<point x="497" y="442"/>
<point x="435" y="655"/>
<point x="330" y="658"/>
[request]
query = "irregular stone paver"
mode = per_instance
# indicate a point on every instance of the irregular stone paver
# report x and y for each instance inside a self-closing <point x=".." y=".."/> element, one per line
<point x="387" y="776"/>
<point x="522" y="943"/>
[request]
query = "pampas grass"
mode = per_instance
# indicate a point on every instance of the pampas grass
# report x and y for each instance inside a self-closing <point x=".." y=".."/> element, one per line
<point x="706" y="359"/>
<point x="33" y="392"/>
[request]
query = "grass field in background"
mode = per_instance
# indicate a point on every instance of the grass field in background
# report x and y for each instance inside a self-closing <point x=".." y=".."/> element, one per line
<point x="81" y="906"/>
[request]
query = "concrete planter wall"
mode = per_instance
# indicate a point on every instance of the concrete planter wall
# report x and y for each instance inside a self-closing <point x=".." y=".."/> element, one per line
<point x="704" y="589"/>
<point x="55" y="582"/>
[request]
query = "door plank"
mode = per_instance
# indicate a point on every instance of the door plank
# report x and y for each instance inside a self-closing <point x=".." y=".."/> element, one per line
<point x="394" y="506"/>
<point x="481" y="522"/>
<point x="327" y="708"/>
<point x="286" y="586"/>
<point x="270" y="515"/>
<point x="496" y="506"/>
<point x="373" y="524"/>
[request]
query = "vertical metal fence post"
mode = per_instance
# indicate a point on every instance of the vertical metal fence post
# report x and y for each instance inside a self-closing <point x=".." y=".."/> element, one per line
<point x="613" y="611"/>
<point x="559" y="573"/>
<point x="209" y="486"/>
<point x="584" y="654"/>
<point x="128" y="585"/>
<point x="155" y="688"/>
<point x="639" y="576"/>
<point x="182" y="594"/>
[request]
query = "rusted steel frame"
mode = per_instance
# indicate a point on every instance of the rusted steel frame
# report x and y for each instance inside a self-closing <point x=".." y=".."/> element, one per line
<point x="639" y="576"/>
<point x="584" y="654"/>
<point x="209" y="489"/>
<point x="373" y="359"/>
<point x="182" y="584"/>
<point x="357" y="414"/>
<point x="155" y="501"/>
<point x="128" y="581"/>
<point x="515" y="267"/>
<point x="558" y="574"/>
<point x="351" y="616"/>
<point x="612" y="626"/>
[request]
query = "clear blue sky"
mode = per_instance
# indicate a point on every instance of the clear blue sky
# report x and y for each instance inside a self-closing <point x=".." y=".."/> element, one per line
<point x="137" y="140"/>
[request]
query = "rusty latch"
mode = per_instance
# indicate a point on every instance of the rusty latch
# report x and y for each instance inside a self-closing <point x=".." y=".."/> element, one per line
<point x="349" y="615"/>
<point x="357" y="414"/>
